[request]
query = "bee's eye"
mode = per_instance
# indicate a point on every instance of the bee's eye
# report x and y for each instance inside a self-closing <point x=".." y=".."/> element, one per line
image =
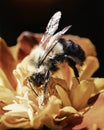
<point x="37" y="79"/>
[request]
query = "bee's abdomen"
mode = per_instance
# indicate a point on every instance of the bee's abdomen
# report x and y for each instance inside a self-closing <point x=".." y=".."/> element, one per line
<point x="72" y="49"/>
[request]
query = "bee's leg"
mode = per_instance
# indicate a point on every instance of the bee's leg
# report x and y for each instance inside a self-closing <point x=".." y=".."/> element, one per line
<point x="76" y="73"/>
<point x="72" y="64"/>
<point x="47" y="75"/>
<point x="29" y="83"/>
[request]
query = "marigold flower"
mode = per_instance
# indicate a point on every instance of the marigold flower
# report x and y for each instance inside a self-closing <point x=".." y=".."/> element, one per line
<point x="68" y="104"/>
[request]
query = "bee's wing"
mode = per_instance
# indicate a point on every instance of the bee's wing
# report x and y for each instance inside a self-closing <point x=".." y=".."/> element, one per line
<point x="56" y="37"/>
<point x="53" y="23"/>
<point x="52" y="42"/>
<point x="51" y="27"/>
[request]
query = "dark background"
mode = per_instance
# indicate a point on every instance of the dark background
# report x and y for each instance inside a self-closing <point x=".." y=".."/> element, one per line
<point x="85" y="16"/>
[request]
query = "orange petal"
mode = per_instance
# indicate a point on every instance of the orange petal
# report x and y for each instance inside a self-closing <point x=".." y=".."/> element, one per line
<point x="90" y="66"/>
<point x="7" y="62"/>
<point x="2" y="104"/>
<point x="27" y="40"/>
<point x="94" y="117"/>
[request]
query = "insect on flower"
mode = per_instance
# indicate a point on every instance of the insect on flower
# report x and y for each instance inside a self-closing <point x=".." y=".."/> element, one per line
<point x="53" y="50"/>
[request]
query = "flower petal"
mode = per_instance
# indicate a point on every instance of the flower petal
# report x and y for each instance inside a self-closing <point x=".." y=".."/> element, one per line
<point x="4" y="82"/>
<point x="7" y="93"/>
<point x="27" y="40"/>
<point x="63" y="96"/>
<point x="81" y="93"/>
<point x="94" y="117"/>
<point x="15" y="120"/>
<point x="91" y="64"/>
<point x="99" y="84"/>
<point x="7" y="62"/>
<point x="66" y="116"/>
<point x="46" y="114"/>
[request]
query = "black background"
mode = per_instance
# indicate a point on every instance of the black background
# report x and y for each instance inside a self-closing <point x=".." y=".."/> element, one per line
<point x="85" y="16"/>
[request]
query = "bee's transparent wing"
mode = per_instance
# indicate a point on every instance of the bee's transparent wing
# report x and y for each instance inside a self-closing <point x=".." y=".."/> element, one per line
<point x="52" y="42"/>
<point x="53" y="23"/>
<point x="51" y="27"/>
<point x="56" y="37"/>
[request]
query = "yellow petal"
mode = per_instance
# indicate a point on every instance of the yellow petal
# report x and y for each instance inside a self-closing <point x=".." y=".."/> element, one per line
<point x="81" y="93"/>
<point x="66" y="111"/>
<point x="6" y="95"/>
<point x="99" y="84"/>
<point x="15" y="120"/>
<point x="63" y="95"/>
<point x="45" y="115"/>
<point x="65" y="72"/>
<point x="4" y="82"/>
<point x="90" y="66"/>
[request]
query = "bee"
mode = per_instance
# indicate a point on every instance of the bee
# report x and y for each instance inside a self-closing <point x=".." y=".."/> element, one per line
<point x="53" y="50"/>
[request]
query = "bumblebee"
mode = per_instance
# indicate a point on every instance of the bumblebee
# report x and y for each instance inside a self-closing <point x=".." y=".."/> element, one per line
<point x="53" y="50"/>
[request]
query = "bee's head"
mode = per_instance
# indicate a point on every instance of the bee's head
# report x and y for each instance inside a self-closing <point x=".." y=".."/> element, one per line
<point x="37" y="79"/>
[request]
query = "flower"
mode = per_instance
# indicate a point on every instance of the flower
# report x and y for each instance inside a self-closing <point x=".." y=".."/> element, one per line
<point x="67" y="104"/>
